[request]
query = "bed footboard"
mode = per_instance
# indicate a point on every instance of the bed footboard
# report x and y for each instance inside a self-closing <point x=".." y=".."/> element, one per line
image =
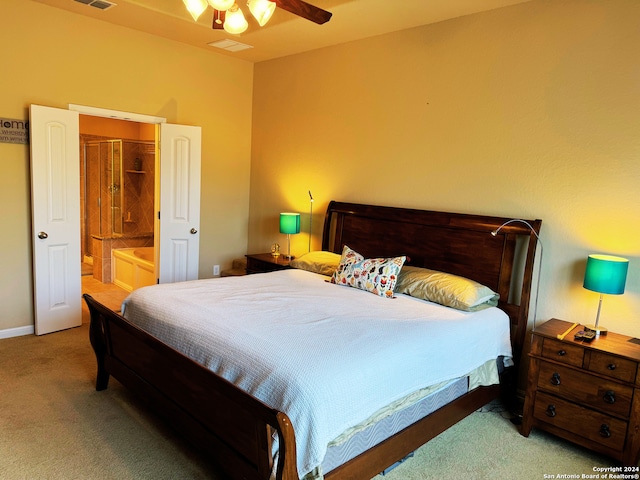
<point x="230" y="426"/>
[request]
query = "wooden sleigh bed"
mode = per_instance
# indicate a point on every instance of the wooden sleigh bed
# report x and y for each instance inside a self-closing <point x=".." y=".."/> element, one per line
<point x="235" y="429"/>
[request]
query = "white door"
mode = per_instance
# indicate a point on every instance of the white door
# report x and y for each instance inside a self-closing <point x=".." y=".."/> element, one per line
<point x="55" y="196"/>
<point x="179" y="203"/>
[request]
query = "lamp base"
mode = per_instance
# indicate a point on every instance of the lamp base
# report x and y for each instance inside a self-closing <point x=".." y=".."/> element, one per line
<point x="598" y="329"/>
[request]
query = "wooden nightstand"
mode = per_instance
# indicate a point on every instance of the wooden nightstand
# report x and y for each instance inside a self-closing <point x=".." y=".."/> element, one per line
<point x="265" y="262"/>
<point x="588" y="393"/>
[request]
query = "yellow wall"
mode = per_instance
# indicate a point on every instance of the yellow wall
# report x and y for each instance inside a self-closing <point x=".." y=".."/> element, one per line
<point x="527" y="111"/>
<point x="52" y="57"/>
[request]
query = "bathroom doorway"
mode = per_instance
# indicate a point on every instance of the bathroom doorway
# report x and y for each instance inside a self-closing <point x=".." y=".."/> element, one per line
<point x="56" y="202"/>
<point x="117" y="184"/>
<point x="117" y="179"/>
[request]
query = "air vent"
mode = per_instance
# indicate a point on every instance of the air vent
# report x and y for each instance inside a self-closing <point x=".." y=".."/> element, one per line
<point x="230" y="45"/>
<point x="99" y="4"/>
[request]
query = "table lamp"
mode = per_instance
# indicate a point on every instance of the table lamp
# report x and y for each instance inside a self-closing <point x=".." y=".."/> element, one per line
<point x="289" y="224"/>
<point x="605" y="274"/>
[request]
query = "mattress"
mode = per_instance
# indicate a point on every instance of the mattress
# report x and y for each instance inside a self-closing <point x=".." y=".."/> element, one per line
<point x="328" y="356"/>
<point x="375" y="432"/>
<point x="397" y="416"/>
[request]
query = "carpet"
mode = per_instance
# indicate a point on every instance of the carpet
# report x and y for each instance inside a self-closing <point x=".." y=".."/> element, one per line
<point x="54" y="425"/>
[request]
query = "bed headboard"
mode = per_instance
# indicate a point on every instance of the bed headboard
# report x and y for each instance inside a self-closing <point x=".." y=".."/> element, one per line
<point x="457" y="243"/>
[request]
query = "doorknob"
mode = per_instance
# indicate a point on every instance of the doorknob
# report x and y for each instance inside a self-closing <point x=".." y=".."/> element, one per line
<point x="193" y="231"/>
<point x="43" y="235"/>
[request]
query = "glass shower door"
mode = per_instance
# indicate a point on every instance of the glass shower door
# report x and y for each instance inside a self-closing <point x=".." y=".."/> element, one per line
<point x="115" y="187"/>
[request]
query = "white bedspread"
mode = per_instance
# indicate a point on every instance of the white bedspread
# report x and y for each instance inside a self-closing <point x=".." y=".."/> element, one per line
<point x="326" y="355"/>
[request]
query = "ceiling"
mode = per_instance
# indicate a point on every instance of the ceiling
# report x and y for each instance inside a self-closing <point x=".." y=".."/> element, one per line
<point x="285" y="34"/>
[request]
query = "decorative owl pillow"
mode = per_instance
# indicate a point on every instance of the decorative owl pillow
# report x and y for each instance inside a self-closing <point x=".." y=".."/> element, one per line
<point x="375" y="275"/>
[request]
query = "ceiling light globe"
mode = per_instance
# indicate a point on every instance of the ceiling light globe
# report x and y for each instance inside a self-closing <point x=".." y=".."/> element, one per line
<point x="195" y="7"/>
<point x="262" y="10"/>
<point x="235" y="22"/>
<point x="222" y="5"/>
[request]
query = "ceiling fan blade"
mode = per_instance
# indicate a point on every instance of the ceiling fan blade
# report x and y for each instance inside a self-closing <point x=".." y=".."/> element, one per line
<point x="305" y="10"/>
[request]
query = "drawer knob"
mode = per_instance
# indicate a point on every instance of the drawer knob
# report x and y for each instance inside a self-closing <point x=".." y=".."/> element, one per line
<point x="551" y="411"/>
<point x="611" y="366"/>
<point x="604" y="431"/>
<point x="609" y="397"/>
<point x="562" y="353"/>
<point x="555" y="379"/>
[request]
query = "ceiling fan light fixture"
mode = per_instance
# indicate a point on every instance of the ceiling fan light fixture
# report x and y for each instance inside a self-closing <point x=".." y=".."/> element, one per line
<point x="261" y="10"/>
<point x="222" y="5"/>
<point x="235" y="22"/>
<point x="195" y="7"/>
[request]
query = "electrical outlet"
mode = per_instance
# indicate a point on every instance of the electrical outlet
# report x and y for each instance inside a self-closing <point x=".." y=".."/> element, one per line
<point x="216" y="270"/>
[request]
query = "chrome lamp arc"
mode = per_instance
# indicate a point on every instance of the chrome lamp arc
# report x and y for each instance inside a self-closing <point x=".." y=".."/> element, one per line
<point x="533" y="230"/>
<point x="605" y="274"/>
<point x="310" y="217"/>
<point x="289" y="224"/>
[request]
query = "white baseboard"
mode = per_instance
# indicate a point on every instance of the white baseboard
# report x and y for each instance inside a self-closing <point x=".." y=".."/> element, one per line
<point x="17" y="332"/>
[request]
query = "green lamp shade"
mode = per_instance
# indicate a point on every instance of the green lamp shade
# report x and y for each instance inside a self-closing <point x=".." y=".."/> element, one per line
<point x="606" y="274"/>
<point x="290" y="223"/>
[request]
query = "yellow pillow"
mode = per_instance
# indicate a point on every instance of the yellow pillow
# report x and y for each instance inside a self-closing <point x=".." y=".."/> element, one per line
<point x="446" y="289"/>
<point x="324" y="263"/>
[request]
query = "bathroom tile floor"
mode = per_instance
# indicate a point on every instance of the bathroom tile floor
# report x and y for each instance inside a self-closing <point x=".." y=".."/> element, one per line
<point x="108" y="294"/>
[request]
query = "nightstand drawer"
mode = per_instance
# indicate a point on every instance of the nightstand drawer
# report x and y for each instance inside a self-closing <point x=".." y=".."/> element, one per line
<point x="612" y="366"/>
<point x="607" y="396"/>
<point x="562" y="352"/>
<point x="586" y="423"/>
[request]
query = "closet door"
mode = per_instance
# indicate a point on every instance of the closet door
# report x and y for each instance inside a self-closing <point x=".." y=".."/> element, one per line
<point x="55" y="193"/>
<point x="179" y="203"/>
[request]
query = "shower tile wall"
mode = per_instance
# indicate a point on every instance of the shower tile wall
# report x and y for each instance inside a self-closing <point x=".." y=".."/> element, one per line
<point x="138" y="187"/>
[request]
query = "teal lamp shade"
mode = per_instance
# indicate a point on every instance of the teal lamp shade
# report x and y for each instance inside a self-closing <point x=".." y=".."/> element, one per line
<point x="290" y="223"/>
<point x="606" y="274"/>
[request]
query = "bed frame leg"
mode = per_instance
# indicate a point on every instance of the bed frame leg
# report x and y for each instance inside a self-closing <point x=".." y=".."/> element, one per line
<point x="509" y="393"/>
<point x="98" y="342"/>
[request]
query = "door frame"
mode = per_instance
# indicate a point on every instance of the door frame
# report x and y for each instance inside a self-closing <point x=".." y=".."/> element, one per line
<point x="117" y="114"/>
<point x="136" y="118"/>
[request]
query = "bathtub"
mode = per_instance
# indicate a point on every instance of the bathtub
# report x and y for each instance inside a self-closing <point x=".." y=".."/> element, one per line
<point x="133" y="268"/>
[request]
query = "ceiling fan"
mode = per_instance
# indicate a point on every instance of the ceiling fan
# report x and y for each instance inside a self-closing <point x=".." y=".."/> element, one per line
<point x="305" y="10"/>
<point x="228" y="16"/>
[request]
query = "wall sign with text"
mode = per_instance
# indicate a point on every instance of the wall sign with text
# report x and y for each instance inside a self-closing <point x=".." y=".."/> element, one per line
<point x="14" y="130"/>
